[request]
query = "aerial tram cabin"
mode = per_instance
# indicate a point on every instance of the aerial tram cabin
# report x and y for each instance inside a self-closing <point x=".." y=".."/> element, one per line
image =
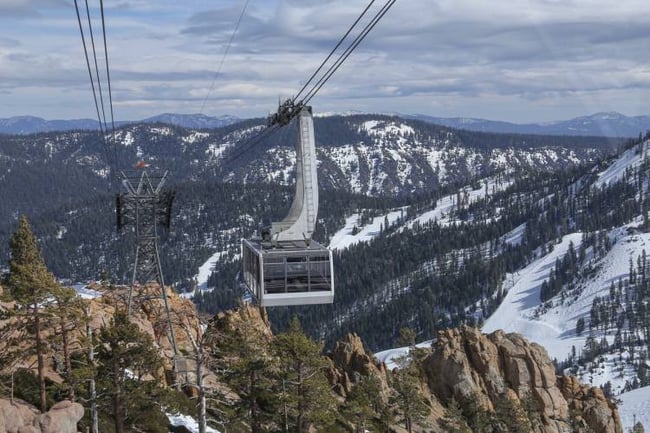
<point x="284" y="266"/>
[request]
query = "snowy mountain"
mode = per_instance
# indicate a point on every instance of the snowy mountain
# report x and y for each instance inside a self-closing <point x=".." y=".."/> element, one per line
<point x="599" y="124"/>
<point x="415" y="210"/>
<point x="384" y="155"/>
<point x="192" y="121"/>
<point x="30" y="124"/>
<point x="594" y="321"/>
<point x="554" y="323"/>
<point x="581" y="294"/>
<point x="368" y="154"/>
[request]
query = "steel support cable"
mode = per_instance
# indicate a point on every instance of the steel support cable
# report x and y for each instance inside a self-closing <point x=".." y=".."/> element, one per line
<point x="347" y="52"/>
<point x="225" y="53"/>
<point x="251" y="142"/>
<point x="314" y="90"/>
<point x="92" y="84"/>
<point x="99" y="81"/>
<point x="112" y="166"/>
<point x="110" y="92"/>
<point x="333" y="50"/>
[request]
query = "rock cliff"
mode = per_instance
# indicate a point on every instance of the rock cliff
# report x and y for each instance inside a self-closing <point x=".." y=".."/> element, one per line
<point x="481" y="372"/>
<point x="475" y="372"/>
<point x="20" y="417"/>
<point x="476" y="369"/>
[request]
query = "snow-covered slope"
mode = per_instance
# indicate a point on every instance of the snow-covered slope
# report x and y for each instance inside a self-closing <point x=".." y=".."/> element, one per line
<point x="635" y="407"/>
<point x="353" y="232"/>
<point x="575" y="325"/>
<point x="382" y="155"/>
<point x="554" y="325"/>
<point x="555" y="329"/>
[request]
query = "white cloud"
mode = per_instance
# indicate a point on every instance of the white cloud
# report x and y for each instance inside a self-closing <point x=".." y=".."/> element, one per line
<point x="519" y="60"/>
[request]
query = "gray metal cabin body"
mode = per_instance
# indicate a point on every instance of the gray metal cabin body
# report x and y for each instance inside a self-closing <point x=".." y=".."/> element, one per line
<point x="288" y="274"/>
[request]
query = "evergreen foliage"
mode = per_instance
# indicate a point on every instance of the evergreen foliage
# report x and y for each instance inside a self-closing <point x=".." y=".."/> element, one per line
<point x="126" y="359"/>
<point x="306" y="396"/>
<point x="433" y="276"/>
<point x="365" y="405"/>
<point x="243" y="356"/>
<point x="31" y="286"/>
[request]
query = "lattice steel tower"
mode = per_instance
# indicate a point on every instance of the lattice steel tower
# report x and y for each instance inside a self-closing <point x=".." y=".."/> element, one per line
<point x="145" y="205"/>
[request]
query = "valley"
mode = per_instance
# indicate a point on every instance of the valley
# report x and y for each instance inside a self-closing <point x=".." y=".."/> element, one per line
<point x="431" y="227"/>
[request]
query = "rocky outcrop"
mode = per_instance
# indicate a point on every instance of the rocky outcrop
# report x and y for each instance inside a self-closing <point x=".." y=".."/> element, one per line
<point x="482" y="370"/>
<point x="349" y="361"/>
<point x="599" y="413"/>
<point x="20" y="417"/>
<point x="148" y="313"/>
<point x="15" y="415"/>
<point x="245" y="318"/>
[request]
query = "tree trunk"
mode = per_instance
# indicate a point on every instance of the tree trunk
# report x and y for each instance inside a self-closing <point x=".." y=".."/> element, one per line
<point x="94" y="417"/>
<point x="67" y="361"/>
<point x="203" y="427"/>
<point x="117" y="398"/>
<point x="286" y="412"/>
<point x="255" y="424"/>
<point x="301" y="410"/>
<point x="40" y="360"/>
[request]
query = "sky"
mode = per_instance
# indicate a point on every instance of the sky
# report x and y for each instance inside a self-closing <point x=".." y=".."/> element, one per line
<point x="513" y="60"/>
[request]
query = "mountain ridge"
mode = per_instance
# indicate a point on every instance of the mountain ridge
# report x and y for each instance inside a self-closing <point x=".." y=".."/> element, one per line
<point x="609" y="124"/>
<point x="24" y="125"/>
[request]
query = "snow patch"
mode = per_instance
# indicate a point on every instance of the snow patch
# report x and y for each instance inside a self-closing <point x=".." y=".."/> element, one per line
<point x="345" y="238"/>
<point x="635" y="406"/>
<point x="188" y="422"/>
<point x="553" y="330"/>
<point x="194" y="137"/>
<point x="390" y="356"/>
<point x="85" y="293"/>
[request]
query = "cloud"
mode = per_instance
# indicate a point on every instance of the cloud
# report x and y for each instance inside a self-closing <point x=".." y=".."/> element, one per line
<point x="16" y="7"/>
<point x="454" y="57"/>
<point x="29" y="8"/>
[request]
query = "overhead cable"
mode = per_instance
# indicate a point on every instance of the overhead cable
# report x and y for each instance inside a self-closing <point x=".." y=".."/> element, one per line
<point x="110" y="91"/>
<point x="92" y="81"/>
<point x="293" y="104"/>
<point x="225" y="53"/>
<point x="333" y="50"/>
<point x="96" y="87"/>
<point x="355" y="43"/>
<point x="99" y="81"/>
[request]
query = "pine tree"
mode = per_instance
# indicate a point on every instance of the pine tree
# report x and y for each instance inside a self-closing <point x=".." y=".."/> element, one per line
<point x="358" y="407"/>
<point x="408" y="398"/>
<point x="307" y="396"/>
<point x="125" y="357"/>
<point x="31" y="285"/>
<point x="638" y="428"/>
<point x="199" y="339"/>
<point x="406" y="337"/>
<point x="243" y="355"/>
<point x="454" y="422"/>
<point x="365" y="402"/>
<point x="68" y="311"/>
<point x="580" y="326"/>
